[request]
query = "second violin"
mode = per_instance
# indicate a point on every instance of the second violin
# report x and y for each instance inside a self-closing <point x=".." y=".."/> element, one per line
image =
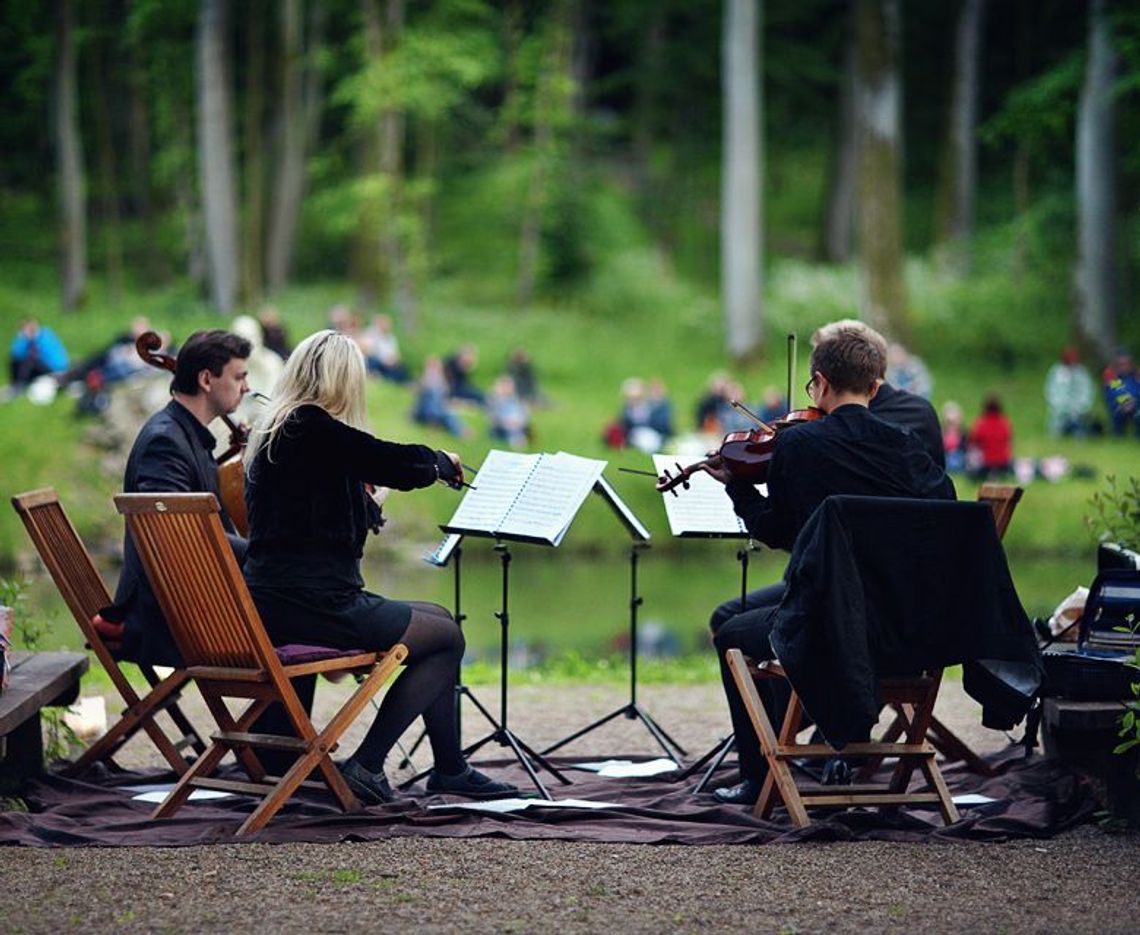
<point x="746" y="455"/>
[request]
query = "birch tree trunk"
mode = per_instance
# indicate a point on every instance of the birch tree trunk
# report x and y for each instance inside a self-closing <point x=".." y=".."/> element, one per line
<point x="215" y="155"/>
<point x="69" y="164"/>
<point x="253" y="164"/>
<point x="1096" y="189"/>
<point x="299" y="113"/>
<point x="959" y="186"/>
<point x="878" y="105"/>
<point x="839" y="224"/>
<point x="741" y="245"/>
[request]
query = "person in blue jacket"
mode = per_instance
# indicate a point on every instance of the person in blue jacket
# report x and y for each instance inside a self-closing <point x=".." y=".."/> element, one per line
<point x="36" y="351"/>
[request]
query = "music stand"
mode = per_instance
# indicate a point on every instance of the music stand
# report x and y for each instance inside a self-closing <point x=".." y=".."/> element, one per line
<point x="703" y="511"/>
<point x="631" y="709"/>
<point x="521" y="498"/>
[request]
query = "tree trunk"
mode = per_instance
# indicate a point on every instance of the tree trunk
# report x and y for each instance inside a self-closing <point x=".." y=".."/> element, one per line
<point x="97" y="81"/>
<point x="839" y="225"/>
<point x="300" y="112"/>
<point x="878" y="105"/>
<point x="959" y="185"/>
<point x="141" y="200"/>
<point x="69" y="164"/>
<point x="393" y="127"/>
<point x="741" y="243"/>
<point x="1096" y="189"/>
<point x="552" y="102"/>
<point x="253" y="220"/>
<point x="366" y="260"/>
<point x="215" y="155"/>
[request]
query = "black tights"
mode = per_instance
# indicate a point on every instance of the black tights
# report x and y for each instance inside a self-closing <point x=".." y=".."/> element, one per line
<point x="426" y="686"/>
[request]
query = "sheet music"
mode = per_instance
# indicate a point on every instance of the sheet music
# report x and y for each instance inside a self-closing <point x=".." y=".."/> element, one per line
<point x="555" y="490"/>
<point x="702" y="510"/>
<point x="496" y="486"/>
<point x="530" y="496"/>
<point x="441" y="554"/>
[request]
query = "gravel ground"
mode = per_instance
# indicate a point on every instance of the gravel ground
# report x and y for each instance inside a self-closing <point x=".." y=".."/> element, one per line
<point x="1082" y="881"/>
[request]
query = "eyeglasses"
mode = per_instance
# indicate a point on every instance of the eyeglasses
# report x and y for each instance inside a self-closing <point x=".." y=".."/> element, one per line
<point x="807" y="386"/>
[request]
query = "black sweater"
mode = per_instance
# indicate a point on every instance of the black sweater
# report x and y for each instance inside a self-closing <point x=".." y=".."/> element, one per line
<point x="305" y="493"/>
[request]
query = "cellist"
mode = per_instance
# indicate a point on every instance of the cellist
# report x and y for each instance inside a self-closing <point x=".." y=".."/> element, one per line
<point x="851" y="451"/>
<point x="174" y="452"/>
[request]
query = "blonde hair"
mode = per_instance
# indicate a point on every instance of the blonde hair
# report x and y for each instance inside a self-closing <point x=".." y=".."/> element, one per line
<point x="327" y="370"/>
<point x="852" y="326"/>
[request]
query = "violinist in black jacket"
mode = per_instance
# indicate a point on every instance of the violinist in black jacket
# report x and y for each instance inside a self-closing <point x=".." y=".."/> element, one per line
<point x="852" y="451"/>
<point x="308" y="463"/>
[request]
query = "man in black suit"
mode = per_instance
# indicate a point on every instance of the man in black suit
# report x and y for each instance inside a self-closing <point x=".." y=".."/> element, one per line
<point x="852" y="451"/>
<point x="174" y="453"/>
<point x="898" y="407"/>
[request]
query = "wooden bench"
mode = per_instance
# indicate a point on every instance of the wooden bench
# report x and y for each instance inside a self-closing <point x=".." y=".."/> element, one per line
<point x="38" y="680"/>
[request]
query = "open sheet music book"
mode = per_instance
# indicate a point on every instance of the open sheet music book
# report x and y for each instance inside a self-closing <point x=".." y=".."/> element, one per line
<point x="533" y="497"/>
<point x="702" y="510"/>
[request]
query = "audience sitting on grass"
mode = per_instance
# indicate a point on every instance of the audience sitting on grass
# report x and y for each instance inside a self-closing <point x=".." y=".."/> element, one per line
<point x="907" y="371"/>
<point x="382" y="350"/>
<point x="507" y="413"/>
<point x="433" y="405"/>
<point x="953" y="437"/>
<point x="1069" y="396"/>
<point x="520" y="368"/>
<point x="990" y="452"/>
<point x="458" y="368"/>
<point x="36" y="352"/>
<point x="273" y="334"/>
<point x="1122" y="393"/>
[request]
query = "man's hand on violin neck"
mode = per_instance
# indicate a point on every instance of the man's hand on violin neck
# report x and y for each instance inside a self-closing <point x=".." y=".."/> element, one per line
<point x="713" y="465"/>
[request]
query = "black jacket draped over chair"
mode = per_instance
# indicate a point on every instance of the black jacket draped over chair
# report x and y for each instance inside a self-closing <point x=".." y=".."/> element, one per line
<point x="888" y="586"/>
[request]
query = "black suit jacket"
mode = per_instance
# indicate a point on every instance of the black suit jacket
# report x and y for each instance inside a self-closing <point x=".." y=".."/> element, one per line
<point x="173" y="452"/>
<point x="887" y="586"/>
<point x="914" y="414"/>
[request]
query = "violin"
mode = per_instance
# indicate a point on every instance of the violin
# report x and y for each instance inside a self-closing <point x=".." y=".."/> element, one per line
<point x="746" y="455"/>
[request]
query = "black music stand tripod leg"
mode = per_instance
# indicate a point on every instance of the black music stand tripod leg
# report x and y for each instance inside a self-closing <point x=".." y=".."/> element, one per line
<point x="631" y="710"/>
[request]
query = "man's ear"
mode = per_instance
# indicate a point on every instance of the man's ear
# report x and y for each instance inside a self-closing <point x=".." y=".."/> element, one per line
<point x="875" y="389"/>
<point x="205" y="378"/>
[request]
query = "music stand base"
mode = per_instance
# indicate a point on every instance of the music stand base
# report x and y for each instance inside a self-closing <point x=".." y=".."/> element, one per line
<point x="633" y="711"/>
<point x="714" y="758"/>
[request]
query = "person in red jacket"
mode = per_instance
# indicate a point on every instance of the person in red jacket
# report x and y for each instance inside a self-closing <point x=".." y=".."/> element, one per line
<point x="991" y="441"/>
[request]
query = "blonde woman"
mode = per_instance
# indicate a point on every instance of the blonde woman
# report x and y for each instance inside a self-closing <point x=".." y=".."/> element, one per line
<point x="309" y="513"/>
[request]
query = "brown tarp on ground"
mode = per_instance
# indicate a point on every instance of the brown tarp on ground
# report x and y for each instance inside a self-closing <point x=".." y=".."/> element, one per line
<point x="1035" y="798"/>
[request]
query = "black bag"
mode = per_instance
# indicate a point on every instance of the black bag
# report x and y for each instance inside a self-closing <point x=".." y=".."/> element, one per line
<point x="1087" y="675"/>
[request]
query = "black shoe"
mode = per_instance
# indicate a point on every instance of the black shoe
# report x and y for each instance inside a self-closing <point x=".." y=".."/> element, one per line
<point x="744" y="793"/>
<point x="370" y="788"/>
<point x="836" y="772"/>
<point x="470" y="783"/>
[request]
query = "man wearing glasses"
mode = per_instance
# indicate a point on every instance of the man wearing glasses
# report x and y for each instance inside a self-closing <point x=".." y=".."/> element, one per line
<point x="852" y="451"/>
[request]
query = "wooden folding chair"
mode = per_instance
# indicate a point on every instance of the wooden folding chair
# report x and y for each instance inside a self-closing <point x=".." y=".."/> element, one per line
<point x="917" y="693"/>
<point x="1002" y="500"/>
<point x="199" y="586"/>
<point x="82" y="588"/>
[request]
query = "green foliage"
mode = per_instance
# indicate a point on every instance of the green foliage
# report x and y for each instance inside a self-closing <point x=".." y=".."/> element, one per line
<point x="1115" y="515"/>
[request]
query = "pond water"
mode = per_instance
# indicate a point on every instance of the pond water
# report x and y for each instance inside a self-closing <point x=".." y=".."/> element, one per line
<point x="560" y="601"/>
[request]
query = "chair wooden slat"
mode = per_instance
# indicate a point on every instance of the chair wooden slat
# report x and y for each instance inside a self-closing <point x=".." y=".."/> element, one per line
<point x="199" y="586"/>
<point x="83" y="590"/>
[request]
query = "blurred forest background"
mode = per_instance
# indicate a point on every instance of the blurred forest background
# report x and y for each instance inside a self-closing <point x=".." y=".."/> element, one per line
<point x="664" y="187"/>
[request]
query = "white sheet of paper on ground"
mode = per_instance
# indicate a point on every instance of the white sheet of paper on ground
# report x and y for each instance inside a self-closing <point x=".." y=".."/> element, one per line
<point x="158" y="793"/>
<point x="501" y="806"/>
<point x="972" y="798"/>
<point x="628" y="769"/>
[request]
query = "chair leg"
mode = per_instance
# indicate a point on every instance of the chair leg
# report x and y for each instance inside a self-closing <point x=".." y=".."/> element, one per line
<point x="778" y="771"/>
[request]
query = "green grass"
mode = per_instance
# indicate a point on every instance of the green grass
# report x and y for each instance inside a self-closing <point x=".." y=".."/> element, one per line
<point x="634" y="316"/>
